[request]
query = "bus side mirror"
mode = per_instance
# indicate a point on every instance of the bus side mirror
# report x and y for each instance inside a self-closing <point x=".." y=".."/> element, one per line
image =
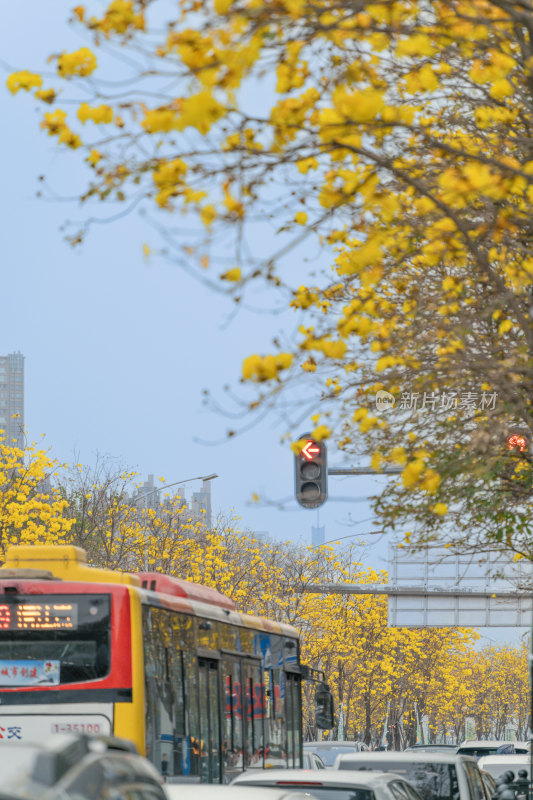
<point x="324" y="713"/>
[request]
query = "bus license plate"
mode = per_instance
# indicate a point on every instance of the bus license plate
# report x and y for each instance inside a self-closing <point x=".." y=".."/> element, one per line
<point x="78" y="727"/>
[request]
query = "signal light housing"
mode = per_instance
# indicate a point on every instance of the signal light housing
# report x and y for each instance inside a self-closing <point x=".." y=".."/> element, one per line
<point x="311" y="473"/>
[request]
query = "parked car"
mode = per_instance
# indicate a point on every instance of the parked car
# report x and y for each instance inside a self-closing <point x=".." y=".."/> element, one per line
<point x="498" y="764"/>
<point x="333" y="784"/>
<point x="484" y="748"/>
<point x="522" y="747"/>
<point x="69" y="767"/>
<point x="436" y="776"/>
<point x="209" y="791"/>
<point x="328" y="751"/>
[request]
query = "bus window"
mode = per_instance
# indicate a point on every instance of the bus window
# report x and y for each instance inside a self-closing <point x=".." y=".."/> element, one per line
<point x="245" y="640"/>
<point x="275" y="745"/>
<point x="207" y="633"/>
<point x="292" y="683"/>
<point x="209" y="743"/>
<point x="70" y="632"/>
<point x="183" y="631"/>
<point x="228" y="637"/>
<point x="160" y="692"/>
<point x="289" y="711"/>
<point x="253" y="749"/>
<point x="232" y="745"/>
<point x="190" y="670"/>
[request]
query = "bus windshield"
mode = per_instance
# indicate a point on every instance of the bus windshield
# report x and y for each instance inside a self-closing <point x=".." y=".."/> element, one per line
<point x="46" y="640"/>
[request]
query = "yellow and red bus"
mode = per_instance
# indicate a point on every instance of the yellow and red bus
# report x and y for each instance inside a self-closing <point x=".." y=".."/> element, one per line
<point x="203" y="690"/>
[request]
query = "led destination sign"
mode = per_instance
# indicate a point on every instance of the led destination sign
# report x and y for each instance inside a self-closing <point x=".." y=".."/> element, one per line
<point x="38" y="616"/>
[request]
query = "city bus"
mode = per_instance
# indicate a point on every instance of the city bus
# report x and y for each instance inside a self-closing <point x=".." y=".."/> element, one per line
<point x="201" y="689"/>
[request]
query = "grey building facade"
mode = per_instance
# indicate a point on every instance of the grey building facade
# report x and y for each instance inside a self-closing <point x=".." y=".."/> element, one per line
<point x="12" y="398"/>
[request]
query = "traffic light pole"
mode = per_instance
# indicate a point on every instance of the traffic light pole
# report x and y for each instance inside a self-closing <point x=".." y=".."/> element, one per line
<point x="364" y="471"/>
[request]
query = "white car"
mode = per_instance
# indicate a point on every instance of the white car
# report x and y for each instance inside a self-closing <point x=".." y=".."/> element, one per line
<point x="312" y="760"/>
<point x="484" y="747"/>
<point x="436" y="776"/>
<point x="328" y="751"/>
<point x="497" y="765"/>
<point x="333" y="784"/>
<point x="210" y="791"/>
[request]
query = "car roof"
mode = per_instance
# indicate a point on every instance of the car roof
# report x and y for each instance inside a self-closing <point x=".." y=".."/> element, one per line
<point x="413" y="757"/>
<point x="343" y="743"/>
<point x="51" y="762"/>
<point x="331" y="743"/>
<point x="210" y="791"/>
<point x="484" y="743"/>
<point x="439" y="746"/>
<point x="318" y="778"/>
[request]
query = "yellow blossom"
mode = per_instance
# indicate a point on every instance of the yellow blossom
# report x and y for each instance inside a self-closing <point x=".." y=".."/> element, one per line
<point x="46" y="95"/>
<point x="98" y="114"/>
<point x="233" y="275"/>
<point x="23" y="80"/>
<point x="321" y="432"/>
<point x="80" y="63"/>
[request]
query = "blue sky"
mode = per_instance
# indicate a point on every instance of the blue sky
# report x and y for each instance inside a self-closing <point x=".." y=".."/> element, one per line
<point x="118" y="350"/>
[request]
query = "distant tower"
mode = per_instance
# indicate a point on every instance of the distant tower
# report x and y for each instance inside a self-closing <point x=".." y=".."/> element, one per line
<point x="318" y="536"/>
<point x="201" y="504"/>
<point x="147" y="495"/>
<point x="12" y="398"/>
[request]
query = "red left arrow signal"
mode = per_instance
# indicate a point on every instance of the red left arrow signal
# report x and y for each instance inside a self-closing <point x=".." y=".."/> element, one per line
<point x="310" y="450"/>
<point x="517" y="442"/>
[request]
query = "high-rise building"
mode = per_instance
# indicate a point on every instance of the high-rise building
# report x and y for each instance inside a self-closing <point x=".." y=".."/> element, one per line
<point x="12" y="398"/>
<point x="201" y="504"/>
<point x="318" y="535"/>
<point x="147" y="495"/>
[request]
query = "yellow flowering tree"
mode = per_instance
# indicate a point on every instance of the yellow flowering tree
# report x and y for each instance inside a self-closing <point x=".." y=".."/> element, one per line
<point x="32" y="511"/>
<point x="396" y="136"/>
<point x="120" y="528"/>
<point x="375" y="672"/>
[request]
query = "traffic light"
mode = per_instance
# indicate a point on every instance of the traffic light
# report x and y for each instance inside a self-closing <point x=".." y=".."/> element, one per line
<point x="324" y="709"/>
<point x="516" y="471"/>
<point x="311" y="473"/>
<point x="518" y="442"/>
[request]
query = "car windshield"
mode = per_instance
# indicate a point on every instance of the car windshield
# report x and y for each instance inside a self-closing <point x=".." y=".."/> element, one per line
<point x="47" y="640"/>
<point x="329" y="754"/>
<point x="434" y="781"/>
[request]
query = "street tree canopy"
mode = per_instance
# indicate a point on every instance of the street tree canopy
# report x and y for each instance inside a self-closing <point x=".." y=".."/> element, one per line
<point x="397" y="135"/>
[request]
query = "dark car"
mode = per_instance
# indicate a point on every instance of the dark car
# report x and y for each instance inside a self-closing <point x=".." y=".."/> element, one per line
<point x="77" y="768"/>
